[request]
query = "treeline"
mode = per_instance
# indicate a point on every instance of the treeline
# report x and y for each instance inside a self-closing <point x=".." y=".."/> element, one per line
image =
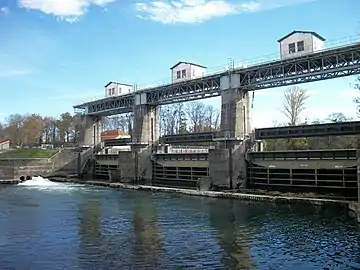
<point x="294" y="104"/>
<point x="34" y="129"/>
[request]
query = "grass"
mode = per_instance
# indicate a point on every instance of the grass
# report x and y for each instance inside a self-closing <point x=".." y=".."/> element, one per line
<point x="28" y="153"/>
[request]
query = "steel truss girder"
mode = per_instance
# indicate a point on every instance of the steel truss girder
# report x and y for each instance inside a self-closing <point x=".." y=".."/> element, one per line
<point x="313" y="67"/>
<point x="333" y="63"/>
<point x="331" y="129"/>
<point x="184" y="91"/>
<point x="111" y="106"/>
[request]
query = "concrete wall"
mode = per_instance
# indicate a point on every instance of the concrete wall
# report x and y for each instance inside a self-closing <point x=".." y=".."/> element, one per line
<point x="139" y="159"/>
<point x="64" y="163"/>
<point x="90" y="130"/>
<point x="219" y="165"/>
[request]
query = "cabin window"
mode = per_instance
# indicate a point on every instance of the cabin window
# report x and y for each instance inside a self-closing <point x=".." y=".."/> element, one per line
<point x="193" y="72"/>
<point x="300" y="46"/>
<point x="183" y="73"/>
<point x="178" y="74"/>
<point x="119" y="90"/>
<point x="113" y="91"/>
<point x="291" y="48"/>
<point x="109" y="92"/>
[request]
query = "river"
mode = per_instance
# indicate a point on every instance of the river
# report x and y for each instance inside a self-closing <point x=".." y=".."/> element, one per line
<point x="67" y="226"/>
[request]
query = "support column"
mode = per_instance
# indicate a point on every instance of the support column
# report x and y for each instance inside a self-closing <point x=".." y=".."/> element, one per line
<point x="227" y="162"/>
<point x="145" y="126"/>
<point x="235" y="114"/>
<point x="145" y="135"/>
<point x="89" y="130"/>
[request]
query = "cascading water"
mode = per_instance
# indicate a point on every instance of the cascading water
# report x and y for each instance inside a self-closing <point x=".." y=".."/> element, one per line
<point x="38" y="181"/>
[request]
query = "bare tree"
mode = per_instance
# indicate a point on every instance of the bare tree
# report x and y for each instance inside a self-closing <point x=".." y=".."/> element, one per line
<point x="2" y="131"/>
<point x="15" y="129"/>
<point x="357" y="100"/>
<point x="294" y="104"/>
<point x="196" y="115"/>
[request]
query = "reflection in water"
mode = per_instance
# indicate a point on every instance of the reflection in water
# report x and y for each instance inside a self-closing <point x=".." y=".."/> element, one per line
<point x="148" y="246"/>
<point x="97" y="228"/>
<point x="232" y="237"/>
<point x="90" y="233"/>
<point x="90" y="221"/>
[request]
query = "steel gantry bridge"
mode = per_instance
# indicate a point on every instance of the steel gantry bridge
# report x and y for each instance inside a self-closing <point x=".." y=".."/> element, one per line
<point x="328" y="64"/>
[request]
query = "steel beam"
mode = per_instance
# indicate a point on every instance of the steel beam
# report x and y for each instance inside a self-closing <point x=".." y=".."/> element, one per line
<point x="188" y="138"/>
<point x="117" y="142"/>
<point x="331" y="129"/>
<point x="326" y="154"/>
<point x="328" y="64"/>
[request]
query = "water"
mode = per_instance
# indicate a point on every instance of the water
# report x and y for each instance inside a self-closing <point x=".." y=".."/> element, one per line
<point x="46" y="225"/>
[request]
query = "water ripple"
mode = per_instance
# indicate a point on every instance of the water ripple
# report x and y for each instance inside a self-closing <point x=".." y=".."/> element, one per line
<point x="77" y="227"/>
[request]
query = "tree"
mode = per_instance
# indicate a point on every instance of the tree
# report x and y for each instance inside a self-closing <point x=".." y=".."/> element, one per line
<point x="2" y="131"/>
<point x="15" y="129"/>
<point x="357" y="100"/>
<point x="66" y="127"/>
<point x="294" y="104"/>
<point x="33" y="126"/>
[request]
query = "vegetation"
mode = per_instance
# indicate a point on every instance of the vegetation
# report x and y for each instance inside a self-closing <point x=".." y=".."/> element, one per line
<point x="32" y="130"/>
<point x="28" y="153"/>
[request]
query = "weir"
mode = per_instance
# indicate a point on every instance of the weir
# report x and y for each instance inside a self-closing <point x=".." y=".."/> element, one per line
<point x="231" y="158"/>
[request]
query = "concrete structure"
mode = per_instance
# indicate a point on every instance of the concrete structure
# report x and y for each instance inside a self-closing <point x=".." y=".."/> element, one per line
<point x="113" y="89"/>
<point x="113" y="135"/>
<point x="233" y="140"/>
<point x="300" y="43"/>
<point x="185" y="70"/>
<point x="90" y="131"/>
<point x="4" y="144"/>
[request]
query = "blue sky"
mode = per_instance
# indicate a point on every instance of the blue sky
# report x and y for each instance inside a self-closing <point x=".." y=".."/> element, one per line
<point x="58" y="53"/>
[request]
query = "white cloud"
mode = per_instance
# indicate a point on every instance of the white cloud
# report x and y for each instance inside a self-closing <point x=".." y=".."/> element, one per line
<point x="9" y="72"/>
<point x="4" y="10"/>
<point x="196" y="11"/>
<point x="67" y="10"/>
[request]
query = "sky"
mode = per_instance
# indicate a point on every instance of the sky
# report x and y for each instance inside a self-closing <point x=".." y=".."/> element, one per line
<point x="58" y="53"/>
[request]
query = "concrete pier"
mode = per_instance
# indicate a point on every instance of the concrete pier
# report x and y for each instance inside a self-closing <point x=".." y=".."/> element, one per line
<point x="89" y="130"/>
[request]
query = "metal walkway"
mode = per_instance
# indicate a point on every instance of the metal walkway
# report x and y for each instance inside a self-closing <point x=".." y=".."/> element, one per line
<point x="328" y="64"/>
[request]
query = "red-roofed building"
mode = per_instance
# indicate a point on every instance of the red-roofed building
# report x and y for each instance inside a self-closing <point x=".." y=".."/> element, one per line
<point x="4" y="144"/>
<point x="113" y="135"/>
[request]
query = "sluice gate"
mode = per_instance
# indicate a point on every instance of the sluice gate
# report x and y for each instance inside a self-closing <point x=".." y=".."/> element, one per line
<point x="180" y="170"/>
<point x="310" y="170"/>
<point x="331" y="171"/>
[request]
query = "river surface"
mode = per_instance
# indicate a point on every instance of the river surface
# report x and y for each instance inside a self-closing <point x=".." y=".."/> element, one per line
<point x="66" y="226"/>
